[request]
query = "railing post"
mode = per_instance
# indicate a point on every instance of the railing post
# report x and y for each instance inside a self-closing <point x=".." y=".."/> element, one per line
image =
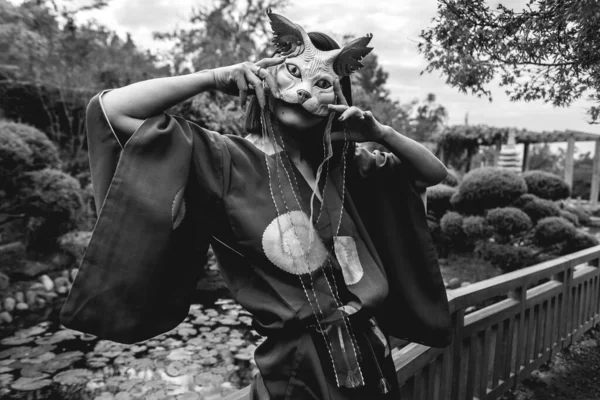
<point x="458" y="322"/>
<point x="567" y="280"/>
<point x="521" y="295"/>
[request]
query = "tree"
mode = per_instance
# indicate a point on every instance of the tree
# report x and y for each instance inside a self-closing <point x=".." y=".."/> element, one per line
<point x="427" y="120"/>
<point x="54" y="66"/>
<point x="541" y="157"/>
<point x="547" y="51"/>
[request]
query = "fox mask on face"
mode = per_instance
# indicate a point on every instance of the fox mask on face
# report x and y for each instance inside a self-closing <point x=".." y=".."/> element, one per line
<point x="307" y="75"/>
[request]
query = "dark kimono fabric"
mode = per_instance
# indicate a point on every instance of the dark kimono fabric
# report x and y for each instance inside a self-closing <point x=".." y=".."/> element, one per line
<point x="174" y="188"/>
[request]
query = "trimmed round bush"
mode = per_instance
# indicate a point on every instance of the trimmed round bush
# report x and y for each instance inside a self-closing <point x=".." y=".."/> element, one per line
<point x="44" y="152"/>
<point x="569" y="216"/>
<point x="452" y="179"/>
<point x="579" y="241"/>
<point x="486" y="188"/>
<point x="51" y="194"/>
<point x="582" y="215"/>
<point x="438" y="199"/>
<point x="451" y="225"/>
<point x="553" y="230"/>
<point x="546" y="185"/>
<point x="507" y="257"/>
<point x="476" y="228"/>
<point x="540" y="208"/>
<point x="524" y="199"/>
<point x="508" y="220"/>
<point x="15" y="156"/>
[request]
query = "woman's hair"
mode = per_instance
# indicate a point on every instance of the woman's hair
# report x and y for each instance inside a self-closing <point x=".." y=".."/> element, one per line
<point x="322" y="42"/>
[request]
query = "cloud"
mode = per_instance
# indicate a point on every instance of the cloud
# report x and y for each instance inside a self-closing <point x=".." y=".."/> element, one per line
<point x="396" y="26"/>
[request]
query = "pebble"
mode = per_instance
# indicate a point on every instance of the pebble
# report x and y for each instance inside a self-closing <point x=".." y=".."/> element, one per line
<point x="30" y="295"/>
<point x="22" y="306"/>
<point x="74" y="273"/>
<point x="5" y="317"/>
<point x="47" y="282"/>
<point x="454" y="283"/>
<point x="9" y="304"/>
<point x="19" y="297"/>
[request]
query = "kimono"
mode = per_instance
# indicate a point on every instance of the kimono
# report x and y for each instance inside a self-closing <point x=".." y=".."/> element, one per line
<point x="174" y="188"/>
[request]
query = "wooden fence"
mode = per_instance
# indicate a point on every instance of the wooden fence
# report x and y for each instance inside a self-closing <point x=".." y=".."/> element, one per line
<point x="522" y="319"/>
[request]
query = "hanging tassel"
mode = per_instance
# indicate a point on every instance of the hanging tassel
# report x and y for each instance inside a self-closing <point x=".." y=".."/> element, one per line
<point x="384" y="386"/>
<point x="352" y="381"/>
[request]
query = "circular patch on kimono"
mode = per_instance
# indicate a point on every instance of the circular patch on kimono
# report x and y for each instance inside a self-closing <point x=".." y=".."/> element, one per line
<point x="293" y="245"/>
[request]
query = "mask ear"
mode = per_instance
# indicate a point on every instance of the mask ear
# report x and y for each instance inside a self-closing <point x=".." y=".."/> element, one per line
<point x="290" y="39"/>
<point x="348" y="59"/>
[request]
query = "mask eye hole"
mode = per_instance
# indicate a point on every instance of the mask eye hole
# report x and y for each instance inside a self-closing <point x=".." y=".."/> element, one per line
<point x="294" y="70"/>
<point x="323" y="84"/>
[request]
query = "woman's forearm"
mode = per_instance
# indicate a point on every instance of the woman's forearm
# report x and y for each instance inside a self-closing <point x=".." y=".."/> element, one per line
<point x="127" y="107"/>
<point x="427" y="167"/>
<point x="148" y="98"/>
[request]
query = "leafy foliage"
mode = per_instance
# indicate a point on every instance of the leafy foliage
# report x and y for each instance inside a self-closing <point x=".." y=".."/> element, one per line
<point x="546" y="51"/>
<point x="451" y="225"/>
<point x="44" y="152"/>
<point x="553" y="230"/>
<point x="15" y="157"/>
<point x="507" y="257"/>
<point x="508" y="220"/>
<point x="476" y="227"/>
<point x="537" y="208"/>
<point x="569" y="216"/>
<point x="486" y="188"/>
<point x="438" y="199"/>
<point x="546" y="185"/>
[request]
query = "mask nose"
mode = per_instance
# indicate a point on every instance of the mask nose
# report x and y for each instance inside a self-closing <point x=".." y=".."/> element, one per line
<point x="303" y="95"/>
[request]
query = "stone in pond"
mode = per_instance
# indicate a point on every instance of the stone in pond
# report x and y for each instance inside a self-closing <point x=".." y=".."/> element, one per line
<point x="73" y="377"/>
<point x="27" y="384"/>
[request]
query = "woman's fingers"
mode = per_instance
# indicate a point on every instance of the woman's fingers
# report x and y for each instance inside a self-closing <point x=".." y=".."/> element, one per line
<point x="337" y="88"/>
<point x="270" y="62"/>
<point x="265" y="75"/>
<point x="338" y="108"/>
<point x="351" y="112"/>
<point x="258" y="87"/>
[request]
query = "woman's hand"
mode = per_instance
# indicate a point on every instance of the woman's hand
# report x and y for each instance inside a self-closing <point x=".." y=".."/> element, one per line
<point x="244" y="78"/>
<point x="361" y="126"/>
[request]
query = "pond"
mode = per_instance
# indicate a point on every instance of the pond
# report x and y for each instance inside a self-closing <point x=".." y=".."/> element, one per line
<point x="208" y="356"/>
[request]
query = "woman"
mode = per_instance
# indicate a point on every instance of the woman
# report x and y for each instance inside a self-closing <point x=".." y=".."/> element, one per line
<point x="325" y="244"/>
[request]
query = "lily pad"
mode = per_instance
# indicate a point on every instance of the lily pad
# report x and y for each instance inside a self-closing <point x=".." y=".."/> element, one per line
<point x="13" y="351"/>
<point x="176" y="368"/>
<point x="97" y="362"/>
<point x="27" y="384"/>
<point x="57" y="337"/>
<point x="73" y="377"/>
<point x="122" y="396"/>
<point x="179" y="354"/>
<point x="42" y="357"/>
<point x="189" y="396"/>
<point x="33" y="371"/>
<point x="6" y="379"/>
<point x="105" y="396"/>
<point x="56" y="364"/>
<point x="16" y="340"/>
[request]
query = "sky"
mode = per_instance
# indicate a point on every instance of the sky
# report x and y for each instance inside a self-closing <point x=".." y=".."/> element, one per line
<point x="395" y="25"/>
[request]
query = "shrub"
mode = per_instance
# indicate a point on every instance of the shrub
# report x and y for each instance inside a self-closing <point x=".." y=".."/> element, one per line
<point x="524" y="199"/>
<point x="540" y="208"/>
<point x="507" y="257"/>
<point x="485" y="188"/>
<point x="451" y="225"/>
<point x="50" y="194"/>
<point x="15" y="157"/>
<point x="44" y="152"/>
<point x="582" y="215"/>
<point x="553" y="230"/>
<point x="438" y="199"/>
<point x="569" y="216"/>
<point x="476" y="228"/>
<point x="452" y="179"/>
<point x="579" y="241"/>
<point x="546" y="185"/>
<point x="508" y="220"/>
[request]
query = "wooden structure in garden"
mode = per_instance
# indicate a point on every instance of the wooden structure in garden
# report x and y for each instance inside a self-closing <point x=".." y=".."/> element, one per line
<point x="523" y="319"/>
<point x="569" y="136"/>
<point x="473" y="136"/>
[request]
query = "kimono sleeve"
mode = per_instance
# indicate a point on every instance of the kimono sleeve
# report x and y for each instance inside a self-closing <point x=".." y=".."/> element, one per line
<point x="156" y="197"/>
<point x="390" y="207"/>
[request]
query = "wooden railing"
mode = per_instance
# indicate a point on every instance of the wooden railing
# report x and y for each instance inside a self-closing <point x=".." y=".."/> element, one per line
<point x="523" y="319"/>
